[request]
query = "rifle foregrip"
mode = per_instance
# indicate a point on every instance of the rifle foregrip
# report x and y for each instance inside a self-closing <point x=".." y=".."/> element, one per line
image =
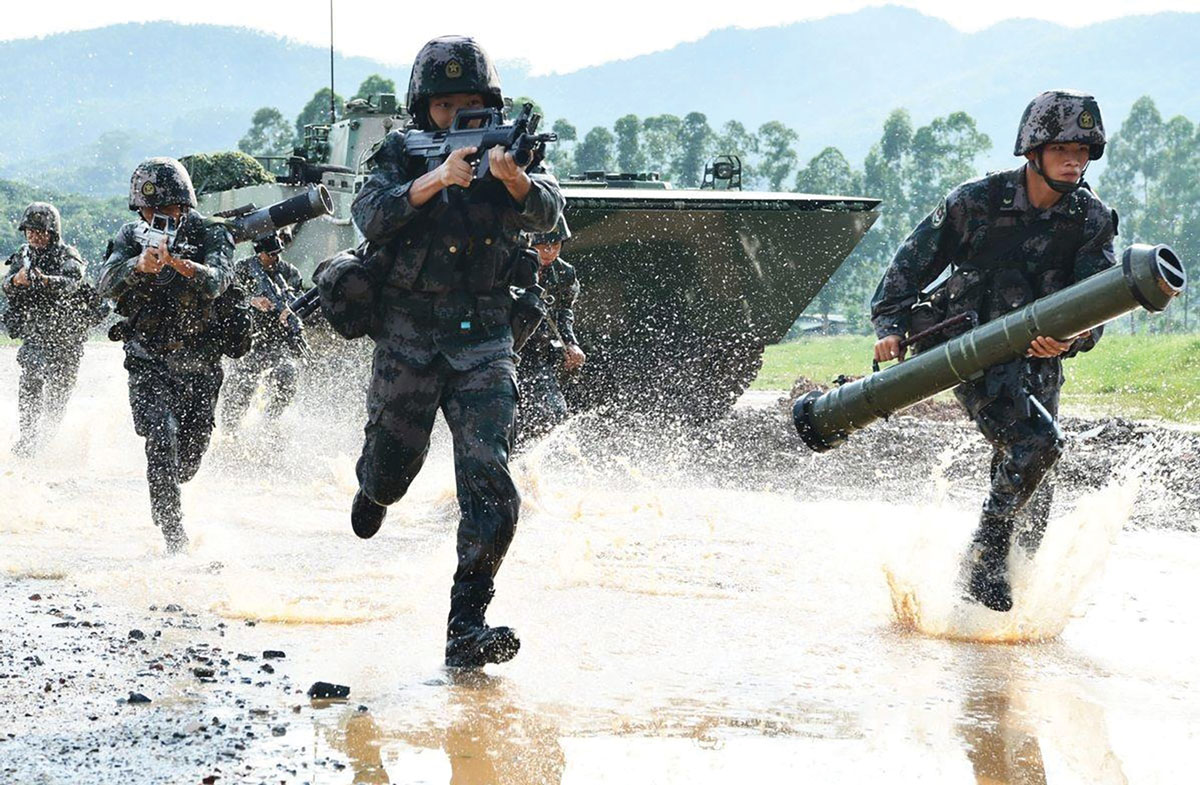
<point x="522" y="156"/>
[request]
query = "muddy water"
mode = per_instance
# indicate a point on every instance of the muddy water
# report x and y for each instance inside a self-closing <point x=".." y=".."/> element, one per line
<point x="676" y="627"/>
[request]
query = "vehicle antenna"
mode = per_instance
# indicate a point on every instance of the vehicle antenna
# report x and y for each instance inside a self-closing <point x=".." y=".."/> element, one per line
<point x="332" y="106"/>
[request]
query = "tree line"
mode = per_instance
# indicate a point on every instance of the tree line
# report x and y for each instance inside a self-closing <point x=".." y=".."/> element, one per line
<point x="1151" y="175"/>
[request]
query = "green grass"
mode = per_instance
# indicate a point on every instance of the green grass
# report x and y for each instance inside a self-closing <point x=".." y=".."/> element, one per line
<point x="1135" y="376"/>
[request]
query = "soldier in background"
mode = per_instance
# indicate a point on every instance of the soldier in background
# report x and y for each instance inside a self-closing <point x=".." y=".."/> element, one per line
<point x="440" y="312"/>
<point x="1008" y="239"/>
<point x="177" y="325"/>
<point x="46" y="311"/>
<point x="542" y="403"/>
<point x="278" y="337"/>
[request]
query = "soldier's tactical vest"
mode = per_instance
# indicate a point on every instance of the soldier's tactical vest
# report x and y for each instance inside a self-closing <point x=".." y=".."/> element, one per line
<point x="454" y="239"/>
<point x="166" y="314"/>
<point x="35" y="310"/>
<point x="1014" y="265"/>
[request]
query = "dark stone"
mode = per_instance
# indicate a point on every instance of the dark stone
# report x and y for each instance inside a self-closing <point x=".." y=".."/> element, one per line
<point x="172" y="608"/>
<point x="35" y="597"/>
<point x="203" y="673"/>
<point x="272" y="654"/>
<point x="267" y="668"/>
<point x="279" y="730"/>
<point x="137" y="697"/>
<point x="247" y="657"/>
<point x="323" y="689"/>
<point x="137" y="635"/>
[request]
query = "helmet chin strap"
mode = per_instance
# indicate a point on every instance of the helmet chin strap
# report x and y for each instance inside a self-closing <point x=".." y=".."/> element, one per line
<point x="1062" y="186"/>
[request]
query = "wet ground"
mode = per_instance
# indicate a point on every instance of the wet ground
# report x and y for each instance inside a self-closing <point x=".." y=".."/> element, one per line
<point x="697" y="604"/>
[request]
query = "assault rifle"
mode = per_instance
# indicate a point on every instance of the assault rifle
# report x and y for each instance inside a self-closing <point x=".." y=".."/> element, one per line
<point x="482" y="129"/>
<point x="306" y="304"/>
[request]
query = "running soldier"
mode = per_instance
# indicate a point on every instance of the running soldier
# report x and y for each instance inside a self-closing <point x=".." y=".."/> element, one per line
<point x="47" y="310"/>
<point x="1008" y="239"/>
<point x="278" y="342"/>
<point x="177" y="324"/>
<point x="543" y="405"/>
<point x="439" y="308"/>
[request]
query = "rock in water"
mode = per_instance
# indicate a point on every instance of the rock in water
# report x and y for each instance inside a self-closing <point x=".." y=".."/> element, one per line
<point x="323" y="689"/>
<point x="272" y="654"/>
<point x="137" y="697"/>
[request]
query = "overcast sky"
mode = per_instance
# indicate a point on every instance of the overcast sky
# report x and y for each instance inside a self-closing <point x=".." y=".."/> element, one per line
<point x="559" y="35"/>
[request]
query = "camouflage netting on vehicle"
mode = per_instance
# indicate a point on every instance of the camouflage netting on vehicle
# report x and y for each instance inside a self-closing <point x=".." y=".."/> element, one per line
<point x="212" y="172"/>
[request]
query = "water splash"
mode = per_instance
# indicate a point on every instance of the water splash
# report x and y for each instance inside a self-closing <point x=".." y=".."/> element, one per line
<point x="926" y="583"/>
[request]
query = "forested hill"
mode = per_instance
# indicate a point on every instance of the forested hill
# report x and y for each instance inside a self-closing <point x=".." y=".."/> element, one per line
<point x="834" y="80"/>
<point x="80" y="104"/>
<point x="101" y="98"/>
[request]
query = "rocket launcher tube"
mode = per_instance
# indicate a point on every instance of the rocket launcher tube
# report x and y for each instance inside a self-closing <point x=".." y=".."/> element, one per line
<point x="1149" y="277"/>
<point x="311" y="204"/>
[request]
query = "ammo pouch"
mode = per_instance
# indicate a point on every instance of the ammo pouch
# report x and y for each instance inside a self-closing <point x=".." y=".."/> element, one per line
<point x="90" y="306"/>
<point x="14" y="319"/>
<point x="233" y="323"/>
<point x="348" y="293"/>
<point x="528" y="311"/>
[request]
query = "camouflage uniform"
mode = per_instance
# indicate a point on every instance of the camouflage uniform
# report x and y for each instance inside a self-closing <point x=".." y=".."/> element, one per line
<point x="542" y="403"/>
<point x="1004" y="253"/>
<point x="51" y="322"/>
<point x="172" y="341"/>
<point x="443" y="340"/>
<point x="270" y="353"/>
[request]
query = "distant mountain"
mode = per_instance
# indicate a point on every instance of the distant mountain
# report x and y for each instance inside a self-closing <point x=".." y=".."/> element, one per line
<point x="167" y="88"/>
<point x="834" y="80"/>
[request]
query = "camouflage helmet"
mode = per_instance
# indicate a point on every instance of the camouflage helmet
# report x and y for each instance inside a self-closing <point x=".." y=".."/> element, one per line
<point x="559" y="234"/>
<point x="451" y="64"/>
<point x="1061" y="116"/>
<point x="44" y="216"/>
<point x="158" y="182"/>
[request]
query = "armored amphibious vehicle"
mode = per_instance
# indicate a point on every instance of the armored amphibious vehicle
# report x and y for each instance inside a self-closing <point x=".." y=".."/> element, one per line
<point x="682" y="288"/>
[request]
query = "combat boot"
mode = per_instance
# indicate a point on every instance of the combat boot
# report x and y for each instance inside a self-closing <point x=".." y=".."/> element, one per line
<point x="24" y="447"/>
<point x="176" y="538"/>
<point x="987" y="561"/>
<point x="470" y="643"/>
<point x="366" y="515"/>
<point x="169" y="519"/>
